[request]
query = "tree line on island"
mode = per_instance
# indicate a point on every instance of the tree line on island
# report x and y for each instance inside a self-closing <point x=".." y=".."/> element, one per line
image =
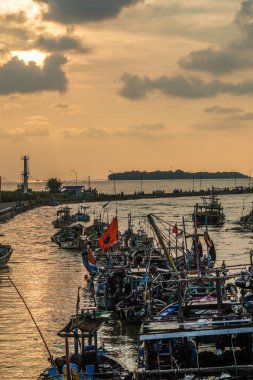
<point x="177" y="174"/>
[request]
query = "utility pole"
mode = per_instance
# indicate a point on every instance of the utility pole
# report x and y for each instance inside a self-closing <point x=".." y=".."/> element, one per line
<point x="75" y="175"/>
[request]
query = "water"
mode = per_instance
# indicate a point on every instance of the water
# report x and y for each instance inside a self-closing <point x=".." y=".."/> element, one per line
<point x="48" y="278"/>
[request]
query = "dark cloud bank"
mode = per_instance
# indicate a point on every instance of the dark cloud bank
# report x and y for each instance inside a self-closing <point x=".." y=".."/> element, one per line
<point x="235" y="56"/>
<point x="135" y="87"/>
<point x="18" y="77"/>
<point x="60" y="44"/>
<point x="79" y="11"/>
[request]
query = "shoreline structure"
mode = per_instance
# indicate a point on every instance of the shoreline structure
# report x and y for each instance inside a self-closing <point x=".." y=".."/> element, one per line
<point x="25" y="202"/>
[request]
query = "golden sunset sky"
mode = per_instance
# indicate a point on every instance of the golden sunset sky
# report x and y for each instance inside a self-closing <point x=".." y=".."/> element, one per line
<point x="99" y="85"/>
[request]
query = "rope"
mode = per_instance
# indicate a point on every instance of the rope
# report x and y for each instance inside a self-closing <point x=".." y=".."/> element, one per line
<point x="29" y="311"/>
<point x="234" y="356"/>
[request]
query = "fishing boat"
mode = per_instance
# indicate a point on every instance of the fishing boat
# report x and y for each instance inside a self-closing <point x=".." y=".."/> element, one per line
<point x="5" y="254"/>
<point x="64" y="218"/>
<point x="88" y="361"/>
<point x="82" y="215"/>
<point x="246" y="221"/>
<point x="205" y="338"/>
<point x="69" y="237"/>
<point x="210" y="348"/>
<point x="209" y="212"/>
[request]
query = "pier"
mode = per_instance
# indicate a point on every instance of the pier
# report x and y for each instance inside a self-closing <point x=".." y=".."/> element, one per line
<point x="24" y="202"/>
<point x="9" y="209"/>
<point x="161" y="194"/>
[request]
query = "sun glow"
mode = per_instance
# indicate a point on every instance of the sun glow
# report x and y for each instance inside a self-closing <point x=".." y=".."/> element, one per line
<point x="30" y="55"/>
<point x="14" y="6"/>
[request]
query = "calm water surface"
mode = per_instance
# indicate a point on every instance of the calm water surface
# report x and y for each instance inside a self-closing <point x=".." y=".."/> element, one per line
<point x="48" y="278"/>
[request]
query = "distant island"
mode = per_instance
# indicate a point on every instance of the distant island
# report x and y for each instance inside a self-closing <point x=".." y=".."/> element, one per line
<point x="177" y="174"/>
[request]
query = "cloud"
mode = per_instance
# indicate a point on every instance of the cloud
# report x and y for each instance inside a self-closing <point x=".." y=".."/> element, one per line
<point x="226" y="118"/>
<point x="215" y="61"/>
<point x="25" y="132"/>
<point x="220" y="125"/>
<point x="144" y="131"/>
<point x="60" y="44"/>
<point x="86" y="132"/>
<point x="244" y="20"/>
<point x="222" y="110"/>
<point x="14" y="29"/>
<point x="246" y="116"/>
<point x="135" y="87"/>
<point x="36" y="121"/>
<point x="60" y="105"/>
<point x="80" y="11"/>
<point x="18" y="77"/>
<point x="16" y="18"/>
<point x="244" y="17"/>
<point x="11" y="106"/>
<point x="233" y="55"/>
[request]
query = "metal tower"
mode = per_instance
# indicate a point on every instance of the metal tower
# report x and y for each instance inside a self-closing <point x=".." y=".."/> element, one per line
<point x="25" y="174"/>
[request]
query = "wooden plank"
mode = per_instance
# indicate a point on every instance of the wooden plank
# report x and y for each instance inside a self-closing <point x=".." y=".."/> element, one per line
<point x="185" y="334"/>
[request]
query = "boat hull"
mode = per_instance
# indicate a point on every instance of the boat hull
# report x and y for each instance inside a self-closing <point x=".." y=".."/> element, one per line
<point x="5" y="254"/>
<point x="202" y="219"/>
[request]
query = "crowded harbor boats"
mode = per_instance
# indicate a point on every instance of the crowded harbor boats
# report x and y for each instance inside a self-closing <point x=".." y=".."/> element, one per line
<point x="193" y="311"/>
<point x="193" y="322"/>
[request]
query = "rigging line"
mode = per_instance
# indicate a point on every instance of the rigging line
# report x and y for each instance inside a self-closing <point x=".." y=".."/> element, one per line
<point x="29" y="311"/>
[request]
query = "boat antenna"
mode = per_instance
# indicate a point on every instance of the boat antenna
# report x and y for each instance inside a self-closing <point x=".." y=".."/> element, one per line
<point x="78" y="301"/>
<point x="243" y="206"/>
<point x="51" y="359"/>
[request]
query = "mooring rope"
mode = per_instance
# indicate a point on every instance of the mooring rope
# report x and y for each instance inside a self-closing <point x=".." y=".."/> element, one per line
<point x="29" y="311"/>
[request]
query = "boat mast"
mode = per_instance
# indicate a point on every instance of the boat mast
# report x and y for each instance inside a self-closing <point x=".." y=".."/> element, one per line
<point x="161" y="241"/>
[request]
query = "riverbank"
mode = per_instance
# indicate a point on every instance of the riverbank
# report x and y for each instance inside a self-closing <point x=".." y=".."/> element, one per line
<point x="8" y="210"/>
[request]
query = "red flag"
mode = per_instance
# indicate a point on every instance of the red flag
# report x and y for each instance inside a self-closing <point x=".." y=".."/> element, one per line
<point x="175" y="229"/>
<point x="110" y="236"/>
<point x="177" y="232"/>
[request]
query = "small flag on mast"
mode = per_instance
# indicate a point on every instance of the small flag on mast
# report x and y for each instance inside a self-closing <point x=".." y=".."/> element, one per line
<point x="177" y="232"/>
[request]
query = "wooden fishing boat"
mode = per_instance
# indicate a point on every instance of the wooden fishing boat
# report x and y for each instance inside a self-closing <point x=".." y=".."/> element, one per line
<point x="69" y="237"/>
<point x="88" y="361"/>
<point x="5" y="254"/>
<point x="246" y="221"/>
<point x="211" y="348"/>
<point x="82" y="215"/>
<point x="64" y="218"/>
<point x="204" y="338"/>
<point x="209" y="212"/>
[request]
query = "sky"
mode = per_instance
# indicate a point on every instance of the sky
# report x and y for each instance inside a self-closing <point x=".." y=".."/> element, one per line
<point x="100" y="86"/>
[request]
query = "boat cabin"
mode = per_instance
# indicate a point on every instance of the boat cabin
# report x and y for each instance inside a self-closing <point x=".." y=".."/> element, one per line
<point x="205" y="348"/>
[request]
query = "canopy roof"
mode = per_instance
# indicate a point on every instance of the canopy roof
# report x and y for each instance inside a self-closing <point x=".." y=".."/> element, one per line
<point x="86" y="323"/>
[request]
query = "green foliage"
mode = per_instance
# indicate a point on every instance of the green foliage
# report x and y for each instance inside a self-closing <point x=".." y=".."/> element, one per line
<point x="54" y="185"/>
<point x="20" y="187"/>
